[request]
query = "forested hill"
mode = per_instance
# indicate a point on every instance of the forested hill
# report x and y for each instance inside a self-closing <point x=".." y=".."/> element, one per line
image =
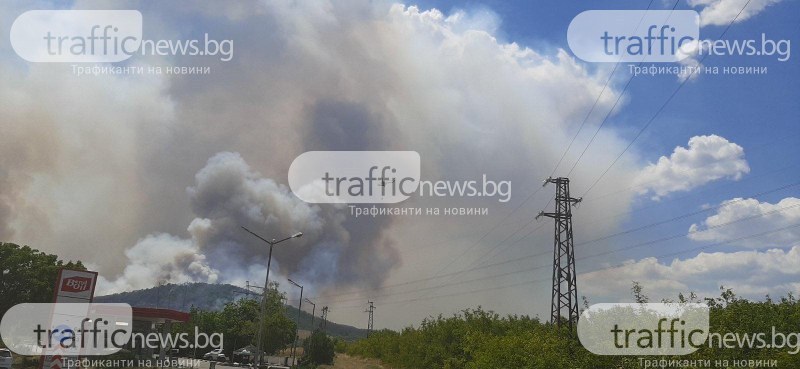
<point x="182" y="297"/>
<point x="206" y="296"/>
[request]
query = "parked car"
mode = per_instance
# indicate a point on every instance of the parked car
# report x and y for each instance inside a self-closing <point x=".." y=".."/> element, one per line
<point x="215" y="355"/>
<point x="5" y="358"/>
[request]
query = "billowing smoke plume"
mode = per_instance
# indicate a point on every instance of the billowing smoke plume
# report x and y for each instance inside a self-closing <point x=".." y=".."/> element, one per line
<point x="228" y="195"/>
<point x="100" y="165"/>
<point x="158" y="259"/>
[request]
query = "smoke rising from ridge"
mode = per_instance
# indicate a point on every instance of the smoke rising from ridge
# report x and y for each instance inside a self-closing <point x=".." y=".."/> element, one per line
<point x="149" y="178"/>
<point x="227" y="195"/>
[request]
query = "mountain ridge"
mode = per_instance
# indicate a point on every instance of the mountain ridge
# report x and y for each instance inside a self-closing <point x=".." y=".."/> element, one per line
<point x="207" y="296"/>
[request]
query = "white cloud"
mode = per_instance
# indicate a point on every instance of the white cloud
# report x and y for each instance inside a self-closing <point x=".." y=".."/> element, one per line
<point x="690" y="65"/>
<point x="762" y="216"/>
<point x="722" y="12"/>
<point x="708" y="158"/>
<point x="773" y="272"/>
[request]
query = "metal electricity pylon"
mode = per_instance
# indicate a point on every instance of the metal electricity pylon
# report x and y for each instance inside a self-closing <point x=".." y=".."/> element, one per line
<point x="370" y="310"/>
<point x="564" y="297"/>
<point x="324" y="318"/>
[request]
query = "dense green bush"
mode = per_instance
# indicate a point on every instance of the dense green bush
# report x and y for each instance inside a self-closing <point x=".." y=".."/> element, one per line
<point x="477" y="339"/>
<point x="318" y="349"/>
<point x="339" y="345"/>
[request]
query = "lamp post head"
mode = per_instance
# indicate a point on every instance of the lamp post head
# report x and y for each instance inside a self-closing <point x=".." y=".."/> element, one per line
<point x="297" y="235"/>
<point x="294" y="283"/>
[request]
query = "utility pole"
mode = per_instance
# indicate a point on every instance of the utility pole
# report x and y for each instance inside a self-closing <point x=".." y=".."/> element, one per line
<point x="564" y="297"/>
<point x="370" y="310"/>
<point x="262" y="312"/>
<point x="324" y="318"/>
<point x="313" y="313"/>
<point x="297" y="326"/>
<point x="249" y="288"/>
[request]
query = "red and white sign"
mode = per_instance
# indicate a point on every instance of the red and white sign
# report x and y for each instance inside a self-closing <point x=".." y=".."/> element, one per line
<point x="75" y="286"/>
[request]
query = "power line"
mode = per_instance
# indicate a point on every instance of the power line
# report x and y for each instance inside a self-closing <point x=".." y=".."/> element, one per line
<point x="528" y="283"/>
<point x="604" y="237"/>
<point x="476" y="243"/>
<point x="660" y="109"/>
<point x="628" y="231"/>
<point x="542" y="266"/>
<point x="597" y="100"/>
<point x="438" y="274"/>
<point x="643" y="185"/>
<point x="640" y="209"/>
<point x="781" y="229"/>
<point x="661" y="203"/>
<point x="602" y="175"/>
<point x="686" y="215"/>
<point x="555" y="168"/>
<point x="573" y="167"/>
<point x="613" y="107"/>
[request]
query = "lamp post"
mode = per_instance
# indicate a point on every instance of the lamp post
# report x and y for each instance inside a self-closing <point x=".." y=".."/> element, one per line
<point x="313" y="313"/>
<point x="266" y="288"/>
<point x="299" y="307"/>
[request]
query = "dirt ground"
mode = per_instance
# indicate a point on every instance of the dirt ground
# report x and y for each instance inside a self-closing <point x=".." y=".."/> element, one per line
<point x="343" y="361"/>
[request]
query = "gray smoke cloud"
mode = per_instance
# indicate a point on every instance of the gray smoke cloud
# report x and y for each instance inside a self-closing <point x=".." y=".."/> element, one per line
<point x="6" y="207"/>
<point x="96" y="168"/>
<point x="228" y="195"/>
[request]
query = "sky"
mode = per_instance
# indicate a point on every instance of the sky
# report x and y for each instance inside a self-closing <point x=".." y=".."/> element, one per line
<point x="148" y="178"/>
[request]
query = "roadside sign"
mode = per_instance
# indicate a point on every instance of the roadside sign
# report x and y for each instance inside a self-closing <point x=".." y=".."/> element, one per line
<point x="76" y="286"/>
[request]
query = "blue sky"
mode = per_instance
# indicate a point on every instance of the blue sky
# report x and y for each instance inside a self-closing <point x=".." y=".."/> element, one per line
<point x="758" y="112"/>
<point x="749" y="110"/>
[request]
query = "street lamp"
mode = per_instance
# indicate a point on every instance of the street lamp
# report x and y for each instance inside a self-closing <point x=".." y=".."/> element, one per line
<point x="313" y="312"/>
<point x="299" y="307"/>
<point x="266" y="287"/>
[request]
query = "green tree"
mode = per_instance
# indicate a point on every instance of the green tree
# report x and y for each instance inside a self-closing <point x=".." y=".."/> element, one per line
<point x="28" y="275"/>
<point x="318" y="349"/>
<point x="238" y="322"/>
<point x="279" y="329"/>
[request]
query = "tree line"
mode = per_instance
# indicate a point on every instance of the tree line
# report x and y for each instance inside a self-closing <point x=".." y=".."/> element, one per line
<point x="477" y="338"/>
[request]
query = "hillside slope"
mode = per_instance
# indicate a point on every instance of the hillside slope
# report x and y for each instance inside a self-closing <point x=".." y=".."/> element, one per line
<point x="206" y="296"/>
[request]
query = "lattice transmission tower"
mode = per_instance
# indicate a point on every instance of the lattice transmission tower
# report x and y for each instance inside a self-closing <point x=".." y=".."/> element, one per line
<point x="564" y="298"/>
